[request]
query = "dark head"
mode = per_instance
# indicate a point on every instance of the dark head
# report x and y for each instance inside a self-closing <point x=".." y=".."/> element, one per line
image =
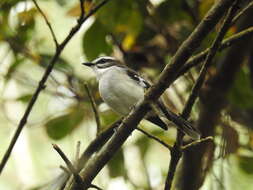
<point x="102" y="65"/>
<point x="102" y="62"/>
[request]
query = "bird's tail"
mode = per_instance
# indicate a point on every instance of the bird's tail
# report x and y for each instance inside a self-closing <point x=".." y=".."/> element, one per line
<point x="180" y="122"/>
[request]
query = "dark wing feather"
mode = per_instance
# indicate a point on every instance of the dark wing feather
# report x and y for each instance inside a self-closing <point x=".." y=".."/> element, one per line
<point x="157" y="121"/>
<point x="136" y="77"/>
<point x="141" y="81"/>
<point x="182" y="124"/>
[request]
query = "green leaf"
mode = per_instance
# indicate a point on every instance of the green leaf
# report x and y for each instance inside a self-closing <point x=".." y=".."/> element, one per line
<point x="108" y="117"/>
<point x="61" y="65"/>
<point x="13" y="67"/>
<point x="94" y="41"/>
<point x="122" y="17"/>
<point x="24" y="98"/>
<point x="143" y="144"/>
<point x="116" y="165"/>
<point x="241" y="94"/>
<point x="59" y="127"/>
<point x="246" y="164"/>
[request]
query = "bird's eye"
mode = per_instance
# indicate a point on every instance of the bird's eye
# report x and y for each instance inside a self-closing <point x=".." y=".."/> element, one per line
<point x="102" y="61"/>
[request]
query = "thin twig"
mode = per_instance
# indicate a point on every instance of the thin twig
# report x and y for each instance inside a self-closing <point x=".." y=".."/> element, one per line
<point x="82" y="9"/>
<point x="194" y="143"/>
<point x="42" y="82"/>
<point x="77" y="177"/>
<point x="73" y="170"/>
<point x="242" y="12"/>
<point x="65" y="159"/>
<point x="97" y="143"/>
<point x="234" y="39"/>
<point x="95" y="187"/>
<point x="47" y="22"/>
<point x="78" y="145"/>
<point x="65" y="170"/>
<point x="176" y="154"/>
<point x="94" y="107"/>
<point x="208" y="61"/>
<point x="94" y="146"/>
<point x="98" y="161"/>
<point x="154" y="138"/>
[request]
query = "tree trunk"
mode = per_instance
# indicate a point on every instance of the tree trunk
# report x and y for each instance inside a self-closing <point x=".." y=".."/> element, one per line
<point x="197" y="160"/>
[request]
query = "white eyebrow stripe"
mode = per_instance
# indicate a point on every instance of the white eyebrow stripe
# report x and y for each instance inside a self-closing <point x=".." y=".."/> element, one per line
<point x="108" y="58"/>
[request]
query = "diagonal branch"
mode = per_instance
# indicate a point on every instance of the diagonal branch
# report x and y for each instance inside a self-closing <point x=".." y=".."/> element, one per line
<point x="242" y="12"/>
<point x="47" y="22"/>
<point x="232" y="40"/>
<point x="72" y="170"/>
<point x="195" y="166"/>
<point x="154" y="138"/>
<point x="177" y="151"/>
<point x="43" y="80"/>
<point x="94" y="108"/>
<point x="96" y="163"/>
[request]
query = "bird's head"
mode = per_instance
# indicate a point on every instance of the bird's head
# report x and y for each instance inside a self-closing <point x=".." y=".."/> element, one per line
<point x="102" y="64"/>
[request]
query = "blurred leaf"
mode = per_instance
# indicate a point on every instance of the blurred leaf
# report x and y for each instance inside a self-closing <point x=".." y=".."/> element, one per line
<point x="205" y="6"/>
<point x="108" y="117"/>
<point x="59" y="127"/>
<point x="9" y="3"/>
<point x="94" y="41"/>
<point x="241" y="94"/>
<point x="17" y="62"/>
<point x="246" y="164"/>
<point x="76" y="10"/>
<point x="116" y="165"/>
<point x="143" y="144"/>
<point x="122" y="17"/>
<point x="27" y="16"/>
<point x="128" y="41"/>
<point x="171" y="11"/>
<point x="62" y="65"/>
<point x="24" y="29"/>
<point x="61" y="2"/>
<point x="24" y="98"/>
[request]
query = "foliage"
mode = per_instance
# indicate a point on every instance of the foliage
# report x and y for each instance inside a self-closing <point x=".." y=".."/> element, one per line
<point x="144" y="33"/>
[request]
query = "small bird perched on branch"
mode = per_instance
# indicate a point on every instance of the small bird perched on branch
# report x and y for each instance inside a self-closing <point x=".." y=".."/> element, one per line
<point x="121" y="88"/>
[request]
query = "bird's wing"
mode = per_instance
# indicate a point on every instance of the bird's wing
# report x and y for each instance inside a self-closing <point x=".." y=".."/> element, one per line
<point x="180" y="122"/>
<point x="137" y="78"/>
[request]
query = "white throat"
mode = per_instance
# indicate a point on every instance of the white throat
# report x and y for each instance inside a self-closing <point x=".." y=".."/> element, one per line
<point x="101" y="71"/>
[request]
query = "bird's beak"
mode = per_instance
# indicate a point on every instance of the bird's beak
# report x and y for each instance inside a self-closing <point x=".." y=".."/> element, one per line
<point x="89" y="64"/>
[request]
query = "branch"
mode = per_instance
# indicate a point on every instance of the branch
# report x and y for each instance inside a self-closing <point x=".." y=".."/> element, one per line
<point x="226" y="43"/>
<point x="94" y="108"/>
<point x="93" y="147"/>
<point x="234" y="39"/>
<point x="154" y="138"/>
<point x="47" y="23"/>
<point x="97" y="162"/>
<point x="243" y="11"/>
<point x="43" y="80"/>
<point x="82" y="10"/>
<point x="72" y="169"/>
<point x="195" y="166"/>
<point x="194" y="143"/>
<point x="177" y="151"/>
<point x="65" y="159"/>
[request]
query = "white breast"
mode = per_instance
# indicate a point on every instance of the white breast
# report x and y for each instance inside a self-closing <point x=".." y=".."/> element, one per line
<point x="118" y="91"/>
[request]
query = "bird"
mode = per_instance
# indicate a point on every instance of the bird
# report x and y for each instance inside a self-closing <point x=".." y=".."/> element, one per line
<point x="121" y="88"/>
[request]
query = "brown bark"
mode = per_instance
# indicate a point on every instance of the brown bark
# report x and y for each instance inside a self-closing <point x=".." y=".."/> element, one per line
<point x="198" y="159"/>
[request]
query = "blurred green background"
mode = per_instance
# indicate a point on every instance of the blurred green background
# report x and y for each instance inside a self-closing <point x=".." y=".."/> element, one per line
<point x="143" y="33"/>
